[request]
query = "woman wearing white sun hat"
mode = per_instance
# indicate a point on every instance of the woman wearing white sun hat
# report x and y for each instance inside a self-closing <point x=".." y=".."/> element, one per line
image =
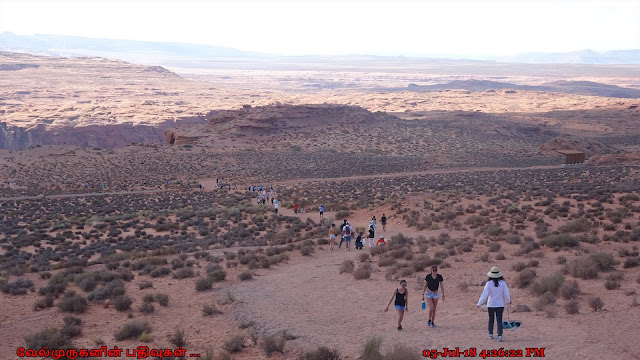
<point x="496" y="293"/>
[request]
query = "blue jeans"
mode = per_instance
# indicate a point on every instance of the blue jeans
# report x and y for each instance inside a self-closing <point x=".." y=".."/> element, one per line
<point x="498" y="312"/>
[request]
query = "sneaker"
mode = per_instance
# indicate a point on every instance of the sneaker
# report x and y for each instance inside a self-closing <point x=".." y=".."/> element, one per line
<point x="499" y="338"/>
<point x="490" y="336"/>
<point x="399" y="328"/>
<point x="429" y="323"/>
<point x="433" y="324"/>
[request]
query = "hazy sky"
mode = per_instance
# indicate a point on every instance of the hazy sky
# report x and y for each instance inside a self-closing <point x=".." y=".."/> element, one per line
<point x="426" y="27"/>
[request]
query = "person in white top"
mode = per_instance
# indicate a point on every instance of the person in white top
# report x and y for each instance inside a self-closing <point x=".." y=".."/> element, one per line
<point x="496" y="293"/>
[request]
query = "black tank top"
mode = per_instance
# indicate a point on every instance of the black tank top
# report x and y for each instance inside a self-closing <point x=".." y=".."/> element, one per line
<point x="401" y="299"/>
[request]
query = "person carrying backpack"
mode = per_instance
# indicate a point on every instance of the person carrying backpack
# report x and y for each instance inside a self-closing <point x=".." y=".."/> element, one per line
<point x="342" y="236"/>
<point x="346" y="230"/>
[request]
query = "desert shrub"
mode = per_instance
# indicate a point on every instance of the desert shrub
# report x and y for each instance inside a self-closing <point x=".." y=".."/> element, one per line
<point x="146" y="308"/>
<point x="161" y="271"/>
<point x="419" y="263"/>
<point x="377" y="250"/>
<point x="561" y="260"/>
<point x="45" y="302"/>
<point x="577" y="225"/>
<point x="347" y="266"/>
<point x="525" y="278"/>
<point x="234" y="344"/>
<point x="363" y="257"/>
<point x="402" y="352"/>
<point x="549" y="284"/>
<point x="132" y="330"/>
<point x="463" y="286"/>
<point x="494" y="230"/>
<point x="245" y="275"/>
<point x="122" y="303"/>
<point x="273" y="343"/>
<point x="631" y="262"/>
<point x="612" y="284"/>
<point x="386" y="261"/>
<point x="596" y="303"/>
<point x="148" y="298"/>
<point x="210" y="309"/>
<point x="572" y="307"/>
<point x="162" y="299"/>
<point x="534" y="263"/>
<point x="559" y="241"/>
<point x="72" y="320"/>
<point x="204" y="284"/>
<point x="494" y="247"/>
<point x="371" y="350"/>
<point x="218" y="275"/>
<point x="72" y="302"/>
<point x="570" y="289"/>
<point x="500" y="256"/>
<point x="145" y="284"/>
<point x="306" y="250"/>
<point x="585" y="268"/>
<point x="183" y="273"/>
<point x="519" y="266"/>
<point x="321" y="353"/>
<point x="178" y="338"/>
<point x="50" y="338"/>
<point x="17" y="287"/>
<point x="604" y="261"/>
<point x="362" y="272"/>
<point x="71" y="331"/>
<point x="544" y="300"/>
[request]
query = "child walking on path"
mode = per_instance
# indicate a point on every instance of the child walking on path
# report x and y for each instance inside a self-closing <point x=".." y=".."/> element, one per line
<point x="401" y="296"/>
<point x="496" y="293"/>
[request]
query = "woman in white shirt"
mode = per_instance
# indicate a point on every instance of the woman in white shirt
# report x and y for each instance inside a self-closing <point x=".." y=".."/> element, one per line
<point x="496" y="293"/>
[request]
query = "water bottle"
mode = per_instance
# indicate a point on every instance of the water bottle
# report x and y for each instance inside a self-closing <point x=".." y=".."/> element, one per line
<point x="424" y="306"/>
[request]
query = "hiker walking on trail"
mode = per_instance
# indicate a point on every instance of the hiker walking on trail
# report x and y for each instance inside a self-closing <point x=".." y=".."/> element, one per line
<point x="295" y="208"/>
<point x="276" y="204"/>
<point x="321" y="209"/>
<point x="496" y="293"/>
<point x="332" y="236"/>
<point x="401" y="297"/>
<point x="383" y="221"/>
<point x="432" y="283"/>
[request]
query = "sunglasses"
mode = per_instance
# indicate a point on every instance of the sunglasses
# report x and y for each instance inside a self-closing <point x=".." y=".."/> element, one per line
<point x="434" y="270"/>
<point x="404" y="285"/>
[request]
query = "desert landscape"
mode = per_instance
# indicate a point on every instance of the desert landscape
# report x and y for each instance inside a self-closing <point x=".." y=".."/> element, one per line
<point x="129" y="218"/>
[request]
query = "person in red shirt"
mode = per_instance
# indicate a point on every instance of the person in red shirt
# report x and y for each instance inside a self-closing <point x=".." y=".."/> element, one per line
<point x="295" y="208"/>
<point x="381" y="241"/>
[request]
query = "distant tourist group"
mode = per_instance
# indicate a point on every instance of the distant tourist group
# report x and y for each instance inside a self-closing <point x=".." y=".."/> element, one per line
<point x="346" y="231"/>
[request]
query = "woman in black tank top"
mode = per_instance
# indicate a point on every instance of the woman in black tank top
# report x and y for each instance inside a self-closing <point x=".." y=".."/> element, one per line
<point x="401" y="297"/>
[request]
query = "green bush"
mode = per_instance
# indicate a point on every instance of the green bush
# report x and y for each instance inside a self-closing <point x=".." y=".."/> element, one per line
<point x="605" y="261"/>
<point x="178" y="339"/>
<point x="569" y="290"/>
<point x="18" y="287"/>
<point x="596" y="303"/>
<point x="572" y="307"/>
<point x="371" y="350"/>
<point x="145" y="284"/>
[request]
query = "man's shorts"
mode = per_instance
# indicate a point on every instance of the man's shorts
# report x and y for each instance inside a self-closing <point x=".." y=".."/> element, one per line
<point x="431" y="295"/>
<point x="347" y="238"/>
<point x="332" y="237"/>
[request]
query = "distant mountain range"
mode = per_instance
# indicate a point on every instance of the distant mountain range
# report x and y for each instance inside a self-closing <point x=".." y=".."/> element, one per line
<point x="570" y="87"/>
<point x="147" y="51"/>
